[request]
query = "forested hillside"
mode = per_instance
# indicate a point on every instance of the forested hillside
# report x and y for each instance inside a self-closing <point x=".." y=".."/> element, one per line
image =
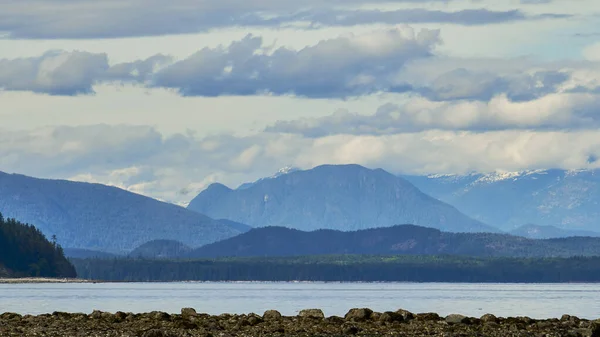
<point x="103" y="218"/>
<point x="403" y="268"/>
<point x="25" y="251"/>
<point x="401" y="240"/>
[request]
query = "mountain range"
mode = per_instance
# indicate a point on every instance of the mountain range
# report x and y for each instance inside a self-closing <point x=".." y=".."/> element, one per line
<point x="569" y="200"/>
<point x="103" y="218"/>
<point x="395" y="240"/>
<point x="344" y="197"/>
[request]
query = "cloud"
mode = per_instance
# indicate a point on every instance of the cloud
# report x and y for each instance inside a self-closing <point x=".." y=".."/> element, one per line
<point x="72" y="73"/>
<point x="592" y="52"/>
<point x="68" y="19"/>
<point x="552" y="112"/>
<point x="397" y="60"/>
<point x="56" y="73"/>
<point x="175" y="168"/>
<point x="345" y="66"/>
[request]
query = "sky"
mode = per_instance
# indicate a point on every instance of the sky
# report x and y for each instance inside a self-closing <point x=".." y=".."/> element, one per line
<point x="163" y="98"/>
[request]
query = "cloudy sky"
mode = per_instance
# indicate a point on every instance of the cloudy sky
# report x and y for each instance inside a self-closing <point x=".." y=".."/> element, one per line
<point x="165" y="97"/>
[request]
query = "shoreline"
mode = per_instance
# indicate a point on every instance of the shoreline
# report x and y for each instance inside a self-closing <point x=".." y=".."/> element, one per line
<point x="309" y="322"/>
<point x="31" y="280"/>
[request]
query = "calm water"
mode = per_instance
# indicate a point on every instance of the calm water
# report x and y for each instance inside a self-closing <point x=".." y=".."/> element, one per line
<point x="534" y="300"/>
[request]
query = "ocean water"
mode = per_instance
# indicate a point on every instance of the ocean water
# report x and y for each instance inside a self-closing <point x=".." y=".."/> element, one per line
<point x="533" y="300"/>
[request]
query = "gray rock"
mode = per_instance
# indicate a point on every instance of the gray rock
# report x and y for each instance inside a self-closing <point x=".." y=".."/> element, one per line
<point x="456" y="319"/>
<point x="488" y="318"/>
<point x="406" y="315"/>
<point x="390" y="316"/>
<point x="312" y="313"/>
<point x="272" y="315"/>
<point x="359" y="315"/>
<point x="188" y="312"/>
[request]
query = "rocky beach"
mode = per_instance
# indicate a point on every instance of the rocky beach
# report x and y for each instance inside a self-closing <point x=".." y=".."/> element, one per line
<point x="310" y="322"/>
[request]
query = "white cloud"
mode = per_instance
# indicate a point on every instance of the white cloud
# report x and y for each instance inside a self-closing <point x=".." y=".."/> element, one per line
<point x="553" y="111"/>
<point x="592" y="52"/>
<point x="175" y="168"/>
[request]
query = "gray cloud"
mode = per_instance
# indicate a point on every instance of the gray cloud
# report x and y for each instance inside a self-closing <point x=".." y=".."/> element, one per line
<point x="398" y="60"/>
<point x="56" y="73"/>
<point x="462" y="83"/>
<point x="111" y="19"/>
<point x="72" y="73"/>
<point x="344" y="66"/>
<point x="552" y="112"/>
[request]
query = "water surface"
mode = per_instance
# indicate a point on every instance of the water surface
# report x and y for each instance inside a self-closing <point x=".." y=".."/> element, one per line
<point x="533" y="300"/>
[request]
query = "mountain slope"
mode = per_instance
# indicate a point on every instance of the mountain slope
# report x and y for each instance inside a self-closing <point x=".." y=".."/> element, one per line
<point x="549" y="232"/>
<point x="395" y="240"/>
<point x="160" y="249"/>
<point x="569" y="200"/>
<point x="103" y="218"/>
<point x="25" y="251"/>
<point x="345" y="197"/>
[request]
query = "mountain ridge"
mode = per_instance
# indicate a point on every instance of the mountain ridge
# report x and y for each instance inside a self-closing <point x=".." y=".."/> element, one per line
<point x="394" y="240"/>
<point x="346" y="197"/>
<point x="567" y="199"/>
<point x="102" y="218"/>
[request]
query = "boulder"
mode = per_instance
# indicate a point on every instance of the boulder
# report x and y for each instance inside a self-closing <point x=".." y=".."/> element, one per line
<point x="427" y="316"/>
<point x="390" y="316"/>
<point x="272" y="315"/>
<point x="312" y="313"/>
<point x="188" y="312"/>
<point x="359" y="315"/>
<point x="489" y="318"/>
<point x="406" y="315"/>
<point x="456" y="319"/>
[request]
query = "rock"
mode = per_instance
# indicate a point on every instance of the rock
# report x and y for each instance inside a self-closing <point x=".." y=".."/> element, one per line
<point x="312" y="313"/>
<point x="272" y="315"/>
<point x="254" y="319"/>
<point x="390" y="316"/>
<point x="335" y="320"/>
<point x="160" y="316"/>
<point x="487" y="318"/>
<point x="188" y="312"/>
<point x="427" y="316"/>
<point x="406" y="315"/>
<point x="96" y="314"/>
<point x="350" y="330"/>
<point x="157" y="333"/>
<point x="358" y="315"/>
<point x="456" y="319"/>
<point x="594" y="329"/>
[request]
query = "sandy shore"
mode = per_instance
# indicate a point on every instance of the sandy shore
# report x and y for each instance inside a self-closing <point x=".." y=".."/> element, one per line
<point x="41" y="280"/>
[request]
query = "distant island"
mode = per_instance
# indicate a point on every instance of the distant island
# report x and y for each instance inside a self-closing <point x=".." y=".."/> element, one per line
<point x="25" y="252"/>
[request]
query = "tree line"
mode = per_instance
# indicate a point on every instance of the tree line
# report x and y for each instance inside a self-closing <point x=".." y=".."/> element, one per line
<point x="356" y="268"/>
<point x="25" y="251"/>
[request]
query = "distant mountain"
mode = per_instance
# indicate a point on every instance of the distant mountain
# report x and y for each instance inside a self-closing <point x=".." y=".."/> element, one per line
<point x="25" y="251"/>
<point x="161" y="249"/>
<point x="103" y="218"/>
<point x="78" y="253"/>
<point x="549" y="232"/>
<point x="345" y="197"/>
<point x="282" y="171"/>
<point x="569" y="200"/>
<point x="243" y="228"/>
<point x="396" y="240"/>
